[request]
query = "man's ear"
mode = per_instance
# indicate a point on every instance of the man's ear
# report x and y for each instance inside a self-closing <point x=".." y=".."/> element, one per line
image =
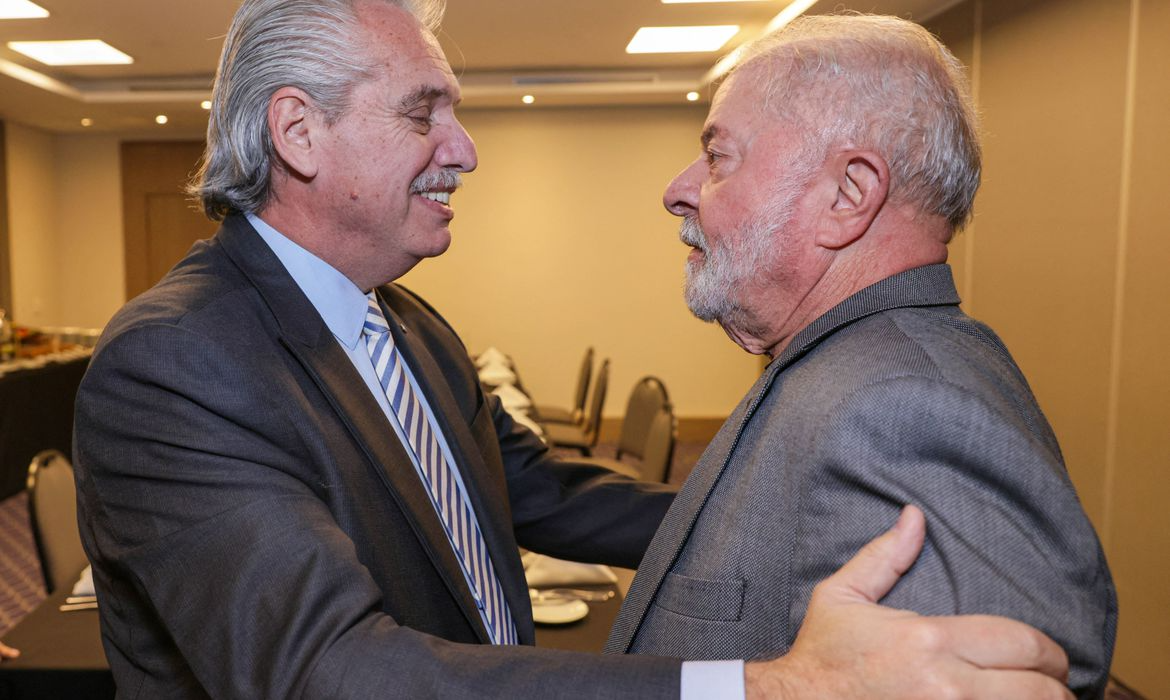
<point x="862" y="179"/>
<point x="293" y="126"/>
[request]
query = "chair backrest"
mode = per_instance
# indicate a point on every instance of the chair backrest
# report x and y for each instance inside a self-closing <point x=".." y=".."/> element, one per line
<point x="659" y="448"/>
<point x="52" y="509"/>
<point x="583" y="377"/>
<point x="646" y="399"/>
<point x="597" y="403"/>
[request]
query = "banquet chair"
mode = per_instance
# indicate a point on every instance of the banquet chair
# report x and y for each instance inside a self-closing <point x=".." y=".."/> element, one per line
<point x="583" y="437"/>
<point x="52" y="509"/>
<point x="647" y="398"/>
<point x="576" y="414"/>
<point x="649" y="431"/>
<point x="659" y="448"/>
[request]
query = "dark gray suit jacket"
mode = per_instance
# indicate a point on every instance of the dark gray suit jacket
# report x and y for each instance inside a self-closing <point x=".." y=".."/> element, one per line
<point x="893" y="397"/>
<point x="257" y="529"/>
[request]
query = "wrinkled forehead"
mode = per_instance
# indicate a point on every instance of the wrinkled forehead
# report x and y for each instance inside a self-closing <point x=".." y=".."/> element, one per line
<point x="739" y="96"/>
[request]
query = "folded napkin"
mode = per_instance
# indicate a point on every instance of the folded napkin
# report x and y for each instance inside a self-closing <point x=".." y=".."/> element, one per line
<point x="547" y="572"/>
<point x="493" y="365"/>
<point x="492" y="356"/>
<point x="495" y="375"/>
<point x="512" y="397"/>
<point x="84" y="585"/>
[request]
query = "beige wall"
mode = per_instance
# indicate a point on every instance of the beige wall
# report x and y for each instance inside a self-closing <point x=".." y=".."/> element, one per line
<point x="561" y="241"/>
<point x="32" y="223"/>
<point x="1067" y="258"/>
<point x="89" y="230"/>
<point x="1138" y="482"/>
<point x="65" y="227"/>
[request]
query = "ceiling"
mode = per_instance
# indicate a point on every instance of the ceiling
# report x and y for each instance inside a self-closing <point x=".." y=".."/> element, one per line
<point x="562" y="51"/>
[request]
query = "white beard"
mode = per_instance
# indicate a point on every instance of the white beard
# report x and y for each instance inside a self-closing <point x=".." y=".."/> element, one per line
<point x="714" y="286"/>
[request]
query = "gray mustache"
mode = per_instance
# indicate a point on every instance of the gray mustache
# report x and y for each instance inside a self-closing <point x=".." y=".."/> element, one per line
<point x="691" y="233"/>
<point x="445" y="179"/>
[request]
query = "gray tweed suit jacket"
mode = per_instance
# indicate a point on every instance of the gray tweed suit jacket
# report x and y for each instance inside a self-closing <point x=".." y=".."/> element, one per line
<point x="892" y="397"/>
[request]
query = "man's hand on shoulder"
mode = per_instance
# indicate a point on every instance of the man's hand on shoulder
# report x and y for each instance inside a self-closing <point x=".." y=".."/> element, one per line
<point x="7" y="652"/>
<point x="850" y="647"/>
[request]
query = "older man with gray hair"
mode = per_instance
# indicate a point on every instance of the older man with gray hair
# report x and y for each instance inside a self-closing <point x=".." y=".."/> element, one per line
<point x="838" y="159"/>
<point x="290" y="481"/>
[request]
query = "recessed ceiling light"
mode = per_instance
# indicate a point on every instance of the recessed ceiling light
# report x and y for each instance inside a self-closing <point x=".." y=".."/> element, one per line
<point x="528" y="99"/>
<point x="692" y="96"/>
<point x="86" y="52"/>
<point x="161" y="119"/>
<point x="681" y="39"/>
<point x="205" y="104"/>
<point x="86" y="121"/>
<point x="21" y="9"/>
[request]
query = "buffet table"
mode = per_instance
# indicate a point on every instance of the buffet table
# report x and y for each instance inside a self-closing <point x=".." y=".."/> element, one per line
<point x="36" y="412"/>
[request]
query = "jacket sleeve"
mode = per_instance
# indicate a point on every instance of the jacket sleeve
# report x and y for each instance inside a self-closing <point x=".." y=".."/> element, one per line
<point x="1006" y="534"/>
<point x="202" y="533"/>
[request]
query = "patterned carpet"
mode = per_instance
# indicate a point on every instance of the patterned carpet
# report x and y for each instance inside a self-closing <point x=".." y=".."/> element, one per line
<point x="22" y="588"/>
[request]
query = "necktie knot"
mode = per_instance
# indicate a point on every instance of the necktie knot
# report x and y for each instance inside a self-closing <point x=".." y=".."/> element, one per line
<point x="375" y="323"/>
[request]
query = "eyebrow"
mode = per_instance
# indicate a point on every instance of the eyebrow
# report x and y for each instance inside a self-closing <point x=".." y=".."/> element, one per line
<point x="421" y="94"/>
<point x="710" y="133"/>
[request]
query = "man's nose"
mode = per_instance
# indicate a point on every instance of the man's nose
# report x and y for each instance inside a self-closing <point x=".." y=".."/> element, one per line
<point x="458" y="151"/>
<point x="682" y="194"/>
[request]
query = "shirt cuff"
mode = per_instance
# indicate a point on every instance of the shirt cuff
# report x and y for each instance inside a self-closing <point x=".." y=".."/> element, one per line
<point x="712" y="680"/>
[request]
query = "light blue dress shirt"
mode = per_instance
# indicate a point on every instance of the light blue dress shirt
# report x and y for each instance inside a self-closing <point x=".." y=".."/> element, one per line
<point x="343" y="308"/>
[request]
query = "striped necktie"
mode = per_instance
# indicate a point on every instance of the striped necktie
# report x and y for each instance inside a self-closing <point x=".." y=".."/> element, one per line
<point x="446" y="495"/>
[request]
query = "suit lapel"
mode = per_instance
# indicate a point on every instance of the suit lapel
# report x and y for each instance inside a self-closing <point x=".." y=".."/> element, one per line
<point x="926" y="286"/>
<point x="308" y="339"/>
<point x="488" y="499"/>
<point x="680" y="519"/>
<point x="335" y="376"/>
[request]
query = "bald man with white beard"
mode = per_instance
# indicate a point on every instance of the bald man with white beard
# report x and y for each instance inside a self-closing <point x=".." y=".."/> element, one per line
<point x="839" y="158"/>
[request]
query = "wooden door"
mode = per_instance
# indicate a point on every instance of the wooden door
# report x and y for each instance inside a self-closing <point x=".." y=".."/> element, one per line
<point x="161" y="222"/>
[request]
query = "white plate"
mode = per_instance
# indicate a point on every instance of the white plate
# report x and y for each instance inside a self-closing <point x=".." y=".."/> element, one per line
<point x="559" y="613"/>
